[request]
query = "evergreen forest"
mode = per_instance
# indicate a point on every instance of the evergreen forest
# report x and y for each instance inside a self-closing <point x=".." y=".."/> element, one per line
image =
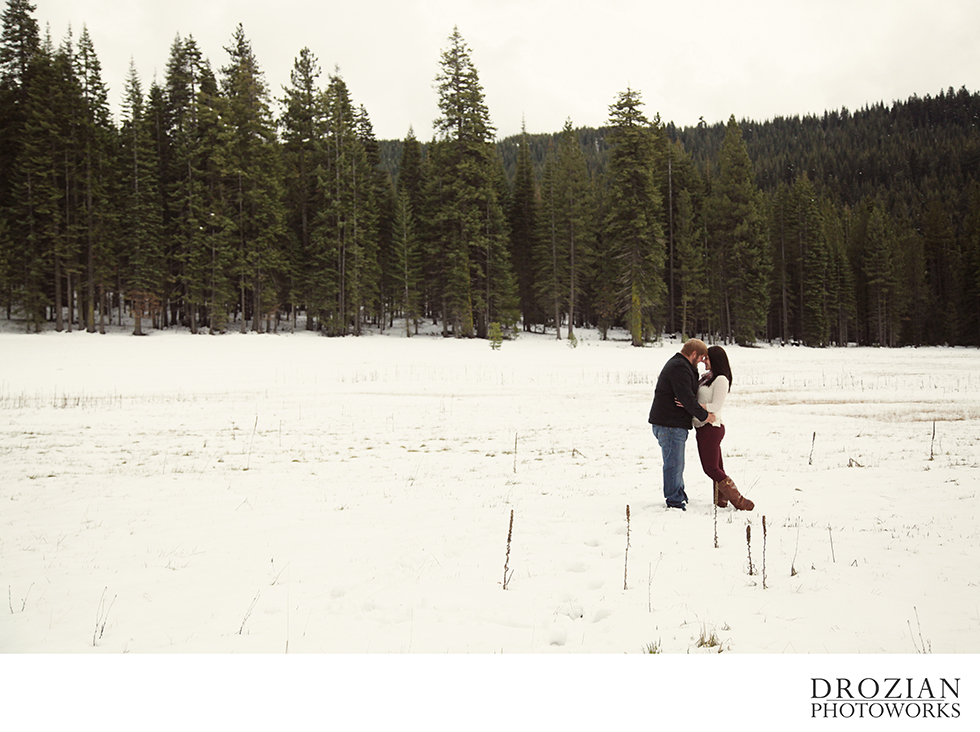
<point x="214" y="204"/>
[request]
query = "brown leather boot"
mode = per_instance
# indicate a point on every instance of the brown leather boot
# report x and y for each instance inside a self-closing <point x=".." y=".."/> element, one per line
<point x="727" y="490"/>
<point x="719" y="499"/>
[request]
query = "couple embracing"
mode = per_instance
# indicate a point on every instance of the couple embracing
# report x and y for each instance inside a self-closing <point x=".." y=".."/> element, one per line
<point x="682" y="401"/>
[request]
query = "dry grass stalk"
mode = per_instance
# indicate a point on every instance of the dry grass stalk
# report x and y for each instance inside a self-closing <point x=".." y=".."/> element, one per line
<point x="748" y="542"/>
<point x="510" y="534"/>
<point x="764" y="551"/>
<point x="626" y="565"/>
<point x="101" y="617"/>
<point x="714" y="500"/>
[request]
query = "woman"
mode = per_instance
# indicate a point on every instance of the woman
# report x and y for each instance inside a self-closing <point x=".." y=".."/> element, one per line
<point x="712" y="390"/>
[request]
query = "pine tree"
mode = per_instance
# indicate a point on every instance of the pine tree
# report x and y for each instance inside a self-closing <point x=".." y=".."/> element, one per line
<point x="547" y="273"/>
<point x="342" y="233"/>
<point x="814" y="264"/>
<point x="141" y="213"/>
<point x="633" y="228"/>
<point x="155" y="117"/>
<point x="913" y="303"/>
<point x="738" y="240"/>
<point x="411" y="183"/>
<point x="971" y="269"/>
<point x="879" y="269"/>
<point x="36" y="209"/>
<point x="62" y="98"/>
<point x="302" y="127"/>
<point x="255" y="165"/>
<point x="942" y="268"/>
<point x="840" y="277"/>
<point x="678" y="176"/>
<point x="182" y="159"/>
<point x="785" y="271"/>
<point x="406" y="256"/>
<point x="214" y="259"/>
<point x="522" y="216"/>
<point x="690" y="273"/>
<point x="411" y="174"/>
<point x="469" y="226"/>
<point x="406" y="264"/>
<point x="566" y="236"/>
<point x="19" y="45"/>
<point x="375" y="213"/>
<point x="96" y="135"/>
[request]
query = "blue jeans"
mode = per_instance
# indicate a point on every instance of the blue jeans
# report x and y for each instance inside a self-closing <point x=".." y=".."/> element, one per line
<point x="672" y="442"/>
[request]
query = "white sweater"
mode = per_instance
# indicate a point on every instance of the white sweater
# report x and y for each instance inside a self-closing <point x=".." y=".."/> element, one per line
<point x="713" y="399"/>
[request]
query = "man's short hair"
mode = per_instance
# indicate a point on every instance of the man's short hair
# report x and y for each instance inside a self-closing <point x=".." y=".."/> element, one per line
<point x="694" y="346"/>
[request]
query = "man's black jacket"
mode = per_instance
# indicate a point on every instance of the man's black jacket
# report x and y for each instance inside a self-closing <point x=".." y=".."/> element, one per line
<point x="678" y="380"/>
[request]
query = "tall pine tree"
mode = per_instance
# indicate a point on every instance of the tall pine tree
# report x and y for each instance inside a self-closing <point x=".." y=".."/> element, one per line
<point x="255" y="167"/>
<point x="469" y="226"/>
<point x="566" y="234"/>
<point x="522" y="216"/>
<point x="737" y="236"/>
<point x="141" y="219"/>
<point x="302" y="126"/>
<point x="633" y="228"/>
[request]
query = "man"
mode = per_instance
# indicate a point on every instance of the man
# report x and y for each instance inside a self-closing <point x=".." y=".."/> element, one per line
<point x="674" y="403"/>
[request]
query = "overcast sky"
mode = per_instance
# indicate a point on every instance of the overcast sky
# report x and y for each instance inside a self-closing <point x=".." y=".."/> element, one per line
<point x="545" y="61"/>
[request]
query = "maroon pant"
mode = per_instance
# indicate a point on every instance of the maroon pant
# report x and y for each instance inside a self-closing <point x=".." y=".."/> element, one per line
<point x="709" y="449"/>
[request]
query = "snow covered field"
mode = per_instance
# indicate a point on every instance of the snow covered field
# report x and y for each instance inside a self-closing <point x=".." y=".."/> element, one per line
<point x="298" y="494"/>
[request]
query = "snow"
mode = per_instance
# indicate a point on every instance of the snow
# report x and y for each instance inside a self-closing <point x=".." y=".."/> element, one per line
<point x="293" y="494"/>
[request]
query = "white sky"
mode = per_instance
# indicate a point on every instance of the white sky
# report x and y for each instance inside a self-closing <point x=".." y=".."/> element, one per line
<point x="545" y="61"/>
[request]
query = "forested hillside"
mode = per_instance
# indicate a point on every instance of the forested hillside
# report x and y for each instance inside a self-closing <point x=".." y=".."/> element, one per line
<point x="214" y="205"/>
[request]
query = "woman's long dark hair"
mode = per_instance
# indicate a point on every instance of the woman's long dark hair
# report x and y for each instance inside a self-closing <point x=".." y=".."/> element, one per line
<point x="719" y="365"/>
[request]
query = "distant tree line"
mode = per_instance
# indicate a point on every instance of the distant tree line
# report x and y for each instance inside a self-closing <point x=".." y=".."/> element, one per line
<point x="204" y="208"/>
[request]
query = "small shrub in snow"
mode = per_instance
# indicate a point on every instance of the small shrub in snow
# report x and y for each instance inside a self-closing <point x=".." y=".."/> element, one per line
<point x="496" y="336"/>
